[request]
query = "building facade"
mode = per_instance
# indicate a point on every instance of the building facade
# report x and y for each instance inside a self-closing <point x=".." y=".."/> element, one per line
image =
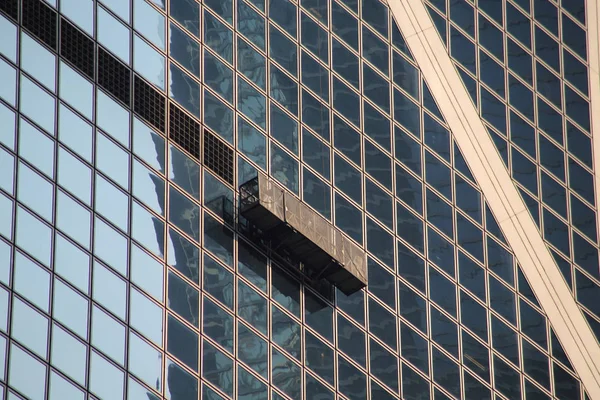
<point x="454" y="141"/>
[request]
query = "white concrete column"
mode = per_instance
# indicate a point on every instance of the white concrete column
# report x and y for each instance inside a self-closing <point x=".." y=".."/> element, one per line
<point x="593" y="26"/>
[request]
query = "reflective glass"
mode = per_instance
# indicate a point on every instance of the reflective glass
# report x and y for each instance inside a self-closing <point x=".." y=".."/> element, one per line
<point x="73" y="219"/>
<point x="317" y="193"/>
<point x="251" y="103"/>
<point x="344" y="25"/>
<point x="182" y="342"/>
<point x="218" y="36"/>
<point x="71" y="309"/>
<point x="284" y="128"/>
<point x="26" y="374"/>
<point x="184" y="90"/>
<point x="38" y="105"/>
<point x="146" y="317"/>
<point x="218" y="281"/>
<point x="286" y="291"/>
<point x="5" y="262"/>
<point x="74" y="132"/>
<point x="283" y="12"/>
<point x="80" y="12"/>
<point x="352" y="382"/>
<point x="283" y="50"/>
<point x="145" y="361"/>
<point x="68" y="354"/>
<point x="314" y="37"/>
<point x="71" y="263"/>
<point x="60" y="388"/>
<point x="218" y="76"/>
<point x="7" y="213"/>
<point x="9" y="89"/>
<point x="286" y="375"/>
<point x="8" y="47"/>
<point x="183" y="299"/>
<point x="35" y="192"/>
<point x="383" y="324"/>
<point x="252" y="143"/>
<point x="284" y="168"/>
<point x="148" y="62"/>
<point x="375" y="13"/>
<point x="346" y="101"/>
<point x="148" y="187"/>
<point x="351" y="340"/>
<point x="251" y="24"/>
<point x="222" y="8"/>
<point x="179" y="382"/>
<point x="33" y="236"/>
<point x="109" y="290"/>
<point x="218" y="116"/>
<point x="7" y="119"/>
<point x="184" y="49"/>
<point x="149" y="23"/>
<point x="111" y="32"/>
<point x="38" y="62"/>
<point x="250" y="388"/>
<point x="217" y="368"/>
<point x="284" y="89"/>
<point x="105" y="380"/>
<point x="187" y="13"/>
<point x="319" y="357"/>
<point x="147" y="229"/>
<point x="110" y="246"/>
<point x="30" y="328"/>
<point x="146" y="272"/>
<point x="252" y="265"/>
<point x="347" y="179"/>
<point x="286" y="332"/>
<point x="252" y="307"/>
<point x="253" y="350"/>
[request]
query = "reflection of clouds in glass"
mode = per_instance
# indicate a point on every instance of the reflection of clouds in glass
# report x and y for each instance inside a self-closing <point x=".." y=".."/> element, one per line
<point x="218" y="37"/>
<point x="251" y="63"/>
<point x="184" y="50"/>
<point x="149" y="63"/>
<point x="252" y="143"/>
<point x="187" y="13"/>
<point x="252" y="103"/>
<point x="218" y="116"/>
<point x="284" y="168"/>
<point x="251" y="25"/>
<point x="184" y="90"/>
<point x="149" y="22"/>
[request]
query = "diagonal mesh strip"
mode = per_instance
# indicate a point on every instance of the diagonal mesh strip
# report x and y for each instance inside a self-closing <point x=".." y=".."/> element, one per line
<point x="11" y="8"/>
<point x="77" y="47"/>
<point x="149" y="103"/>
<point x="218" y="156"/>
<point x="40" y="20"/>
<point x="184" y="131"/>
<point x="114" y="76"/>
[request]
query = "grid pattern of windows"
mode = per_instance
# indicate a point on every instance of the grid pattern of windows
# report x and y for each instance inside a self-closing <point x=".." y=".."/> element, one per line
<point x="525" y="65"/>
<point x="124" y="273"/>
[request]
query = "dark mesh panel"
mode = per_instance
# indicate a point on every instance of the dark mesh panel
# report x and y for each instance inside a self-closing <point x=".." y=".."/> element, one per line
<point x="218" y="156"/>
<point x="11" y="8"/>
<point x="149" y="104"/>
<point x="77" y="47"/>
<point x="184" y="131"/>
<point x="40" y="20"/>
<point x="114" y="76"/>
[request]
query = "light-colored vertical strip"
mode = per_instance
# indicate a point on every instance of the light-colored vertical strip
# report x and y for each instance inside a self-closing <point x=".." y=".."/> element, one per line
<point x="592" y="13"/>
<point x="505" y="202"/>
